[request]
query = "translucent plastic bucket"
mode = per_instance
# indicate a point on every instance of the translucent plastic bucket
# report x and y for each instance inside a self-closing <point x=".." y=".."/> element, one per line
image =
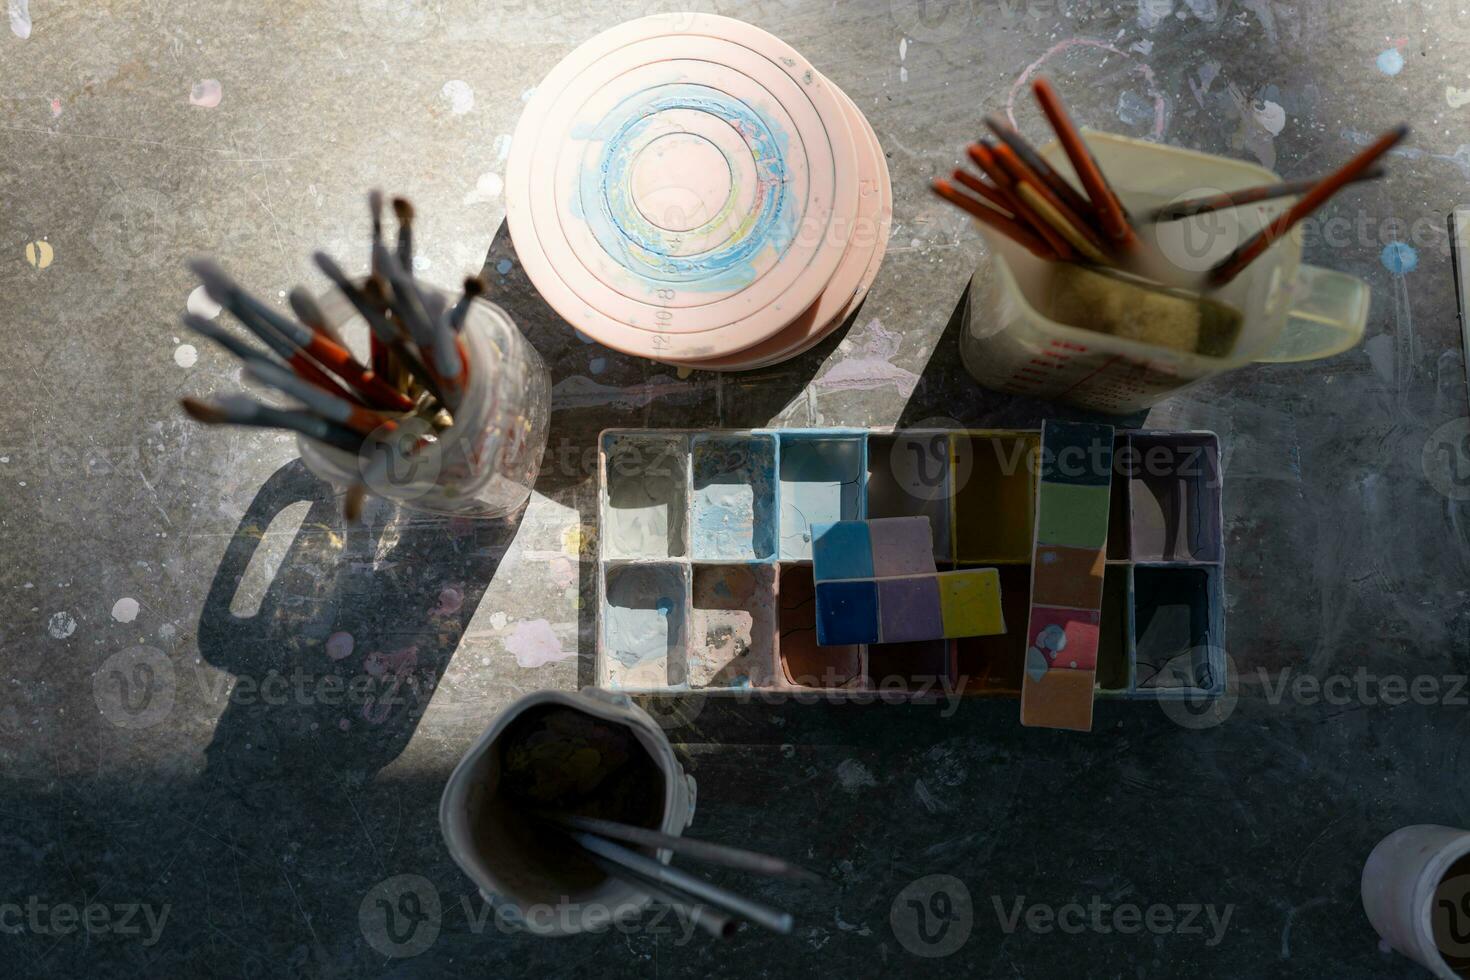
<point x="1289" y="311"/>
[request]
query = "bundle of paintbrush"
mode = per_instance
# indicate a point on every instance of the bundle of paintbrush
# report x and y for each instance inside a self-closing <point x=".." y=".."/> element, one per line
<point x="1017" y="194"/>
<point x="418" y="364"/>
<point x="717" y="910"/>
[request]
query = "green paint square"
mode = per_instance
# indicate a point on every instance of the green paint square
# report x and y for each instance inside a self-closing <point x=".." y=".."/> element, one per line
<point x="1072" y="516"/>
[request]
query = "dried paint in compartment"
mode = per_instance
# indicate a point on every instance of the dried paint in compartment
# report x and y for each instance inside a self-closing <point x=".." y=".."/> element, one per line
<point x="1175" y="498"/>
<point x="734" y="498"/>
<point x="1176" y="635"/>
<point x="909" y="476"/>
<point x="821" y="483"/>
<point x="733" y="626"/>
<point x="644" y="623"/>
<point x="646" y="497"/>
<point x="804" y="663"/>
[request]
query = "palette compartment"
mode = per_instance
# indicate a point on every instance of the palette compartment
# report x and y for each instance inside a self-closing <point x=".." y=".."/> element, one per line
<point x="740" y="594"/>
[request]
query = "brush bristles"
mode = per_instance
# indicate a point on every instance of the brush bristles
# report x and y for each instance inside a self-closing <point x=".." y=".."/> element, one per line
<point x="403" y="210"/>
<point x="474" y="286"/>
<point x="202" y="411"/>
<point x="375" y="205"/>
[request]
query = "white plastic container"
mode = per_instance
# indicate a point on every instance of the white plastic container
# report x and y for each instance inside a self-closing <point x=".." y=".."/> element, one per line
<point x="1290" y="311"/>
<point x="486" y="463"/>
<point x="481" y="836"/>
<point x="1416" y="891"/>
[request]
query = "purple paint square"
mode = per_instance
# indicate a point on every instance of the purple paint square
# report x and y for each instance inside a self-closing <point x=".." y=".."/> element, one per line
<point x="902" y="546"/>
<point x="910" y="609"/>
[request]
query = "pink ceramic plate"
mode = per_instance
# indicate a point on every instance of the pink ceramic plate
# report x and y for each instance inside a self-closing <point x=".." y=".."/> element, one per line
<point x="674" y="185"/>
<point x="855" y="275"/>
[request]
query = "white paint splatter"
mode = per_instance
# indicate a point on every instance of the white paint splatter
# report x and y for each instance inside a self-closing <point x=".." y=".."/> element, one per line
<point x="459" y="95"/>
<point x="1270" y="116"/>
<point x="125" y="610"/>
<point x="488" y="188"/>
<point x="1151" y="13"/>
<point x="61" y="625"/>
<point x="20" y="18"/>
<point x="502" y="147"/>
<point x="580" y="391"/>
<point x="186" y="355"/>
<point x="200" y="304"/>
<point x="1456" y="97"/>
<point x="870" y="369"/>
<point x="1206" y="10"/>
<point x="498" y="620"/>
<point x="903" y="48"/>
<point x="339" y="645"/>
<point x="535" y="644"/>
<point x="853" y="775"/>
<point x="206" y="94"/>
<point x="903" y="74"/>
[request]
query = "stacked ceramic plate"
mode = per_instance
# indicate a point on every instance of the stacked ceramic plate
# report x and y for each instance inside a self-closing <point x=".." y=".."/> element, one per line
<point x="687" y="188"/>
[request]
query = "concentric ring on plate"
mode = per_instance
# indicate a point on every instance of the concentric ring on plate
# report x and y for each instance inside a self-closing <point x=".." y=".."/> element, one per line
<point x="675" y="195"/>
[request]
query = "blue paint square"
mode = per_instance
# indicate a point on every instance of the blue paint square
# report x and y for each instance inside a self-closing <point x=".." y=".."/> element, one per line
<point x="847" y="613"/>
<point x="842" y="550"/>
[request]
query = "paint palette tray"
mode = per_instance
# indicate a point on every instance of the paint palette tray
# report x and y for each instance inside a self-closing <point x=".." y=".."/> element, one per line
<point x="705" y="575"/>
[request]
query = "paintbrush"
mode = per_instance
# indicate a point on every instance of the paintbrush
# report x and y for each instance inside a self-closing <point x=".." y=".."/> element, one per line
<point x="984" y="157"/>
<point x="1007" y="226"/>
<point x="224" y="291"/>
<point x="352" y="502"/>
<point x="403" y="298"/>
<point x="369" y="303"/>
<point x="378" y="356"/>
<point x="1051" y="208"/>
<point x="403" y="211"/>
<point x="657" y="871"/>
<point x="227" y="340"/>
<point x="244" y="410"/>
<point x="328" y="406"/>
<point x="1249" y="195"/>
<point x="706" y="916"/>
<point x="1109" y="210"/>
<point x="986" y="191"/>
<point x="1249" y="250"/>
<point x="473" y="286"/>
<point x="309" y="313"/>
<point x="1058" y="184"/>
<point x="730" y="857"/>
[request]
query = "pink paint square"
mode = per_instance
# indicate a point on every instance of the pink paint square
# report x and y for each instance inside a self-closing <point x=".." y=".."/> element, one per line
<point x="1066" y="637"/>
<point x="902" y="546"/>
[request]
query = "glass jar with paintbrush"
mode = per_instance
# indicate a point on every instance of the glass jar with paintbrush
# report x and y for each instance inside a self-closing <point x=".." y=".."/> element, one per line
<point x="449" y="410"/>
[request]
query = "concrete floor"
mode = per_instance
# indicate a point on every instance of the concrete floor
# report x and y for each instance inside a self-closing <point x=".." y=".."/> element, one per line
<point x="161" y="576"/>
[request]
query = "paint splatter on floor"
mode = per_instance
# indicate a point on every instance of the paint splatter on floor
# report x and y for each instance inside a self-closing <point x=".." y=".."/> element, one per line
<point x="853" y="775"/>
<point x="535" y="644"/>
<point x="450" y="601"/>
<point x="55" y="108"/>
<point x="20" y="18"/>
<point x="206" y="94"/>
<point x="867" y="366"/>
<point x="186" y="355"/>
<point x="1390" y="62"/>
<point x="1399" y="258"/>
<point x="200" y="304"/>
<point x="1456" y="97"/>
<point x="39" y="254"/>
<point x="61" y="625"/>
<point x="504" y="266"/>
<point x="125" y="610"/>
<point x="488" y="188"/>
<point x="339" y="645"/>
<point x="458" y="94"/>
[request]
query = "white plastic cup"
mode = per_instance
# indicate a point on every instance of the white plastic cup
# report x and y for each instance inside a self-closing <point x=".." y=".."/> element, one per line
<point x="523" y="892"/>
<point x="487" y="462"/>
<point x="1416" y="892"/>
<point x="1290" y="311"/>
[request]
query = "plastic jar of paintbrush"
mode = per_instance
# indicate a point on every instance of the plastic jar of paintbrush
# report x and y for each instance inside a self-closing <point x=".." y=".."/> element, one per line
<point x="487" y="461"/>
